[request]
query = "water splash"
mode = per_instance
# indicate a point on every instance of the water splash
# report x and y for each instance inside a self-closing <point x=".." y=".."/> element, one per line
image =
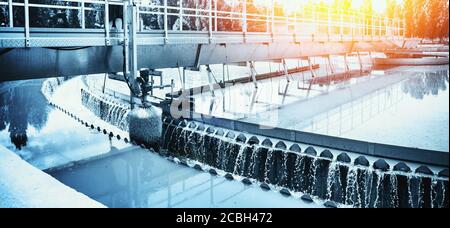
<point x="345" y="184"/>
<point x="113" y="113"/>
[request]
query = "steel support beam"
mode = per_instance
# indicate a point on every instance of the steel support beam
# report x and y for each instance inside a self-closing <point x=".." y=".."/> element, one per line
<point x="29" y="63"/>
<point x="131" y="48"/>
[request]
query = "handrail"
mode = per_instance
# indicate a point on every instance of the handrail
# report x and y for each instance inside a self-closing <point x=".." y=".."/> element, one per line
<point x="311" y="20"/>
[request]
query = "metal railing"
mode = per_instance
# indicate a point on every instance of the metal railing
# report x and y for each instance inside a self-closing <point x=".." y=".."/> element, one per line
<point x="211" y="17"/>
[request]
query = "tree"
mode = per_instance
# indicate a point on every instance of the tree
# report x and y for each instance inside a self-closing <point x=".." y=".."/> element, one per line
<point x="426" y="18"/>
<point x="438" y="19"/>
<point x="443" y="32"/>
<point x="3" y="16"/>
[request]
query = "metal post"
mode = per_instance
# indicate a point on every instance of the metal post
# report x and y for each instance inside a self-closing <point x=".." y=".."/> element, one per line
<point x="253" y="74"/>
<point x="311" y="68"/>
<point x="341" y="31"/>
<point x="403" y="28"/>
<point x="381" y="26"/>
<point x="360" y="62"/>
<point x="184" y="78"/>
<point x="223" y="73"/>
<point x="166" y="24"/>
<point x="83" y="16"/>
<point x="386" y="27"/>
<point x="152" y="81"/>
<point x="172" y="85"/>
<point x="395" y="28"/>
<point x="287" y="23"/>
<point x="286" y="73"/>
<point x="210" y="80"/>
<point x="139" y="23"/>
<point x="215" y="15"/>
<point x="244" y="17"/>
<point x="347" y="68"/>
<point x="286" y="70"/>
<point x="295" y="23"/>
<point x="331" y="64"/>
<point x="107" y="42"/>
<point x="130" y="45"/>
<point x="267" y="20"/>
<point x="126" y="44"/>
<point x="373" y="26"/>
<point x="228" y="73"/>
<point x="360" y="25"/>
<point x="104" y="83"/>
<point x="10" y="13"/>
<point x="27" y="23"/>
<point x="366" y="25"/>
<point x="329" y="22"/>
<point x="352" y="26"/>
<point x="272" y="29"/>
<point x="315" y="20"/>
<point x="180" y="15"/>
<point x="210" y="34"/>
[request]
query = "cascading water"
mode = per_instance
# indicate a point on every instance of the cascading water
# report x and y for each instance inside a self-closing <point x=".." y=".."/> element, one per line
<point x="350" y="197"/>
<point x="110" y="112"/>
<point x="338" y="180"/>
<point x="304" y="174"/>
<point x="239" y="160"/>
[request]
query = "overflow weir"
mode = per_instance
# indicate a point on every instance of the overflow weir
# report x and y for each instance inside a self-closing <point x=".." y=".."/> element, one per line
<point x="299" y="168"/>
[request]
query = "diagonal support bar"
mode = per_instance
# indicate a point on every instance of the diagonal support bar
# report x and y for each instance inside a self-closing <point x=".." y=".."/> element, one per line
<point x="253" y="73"/>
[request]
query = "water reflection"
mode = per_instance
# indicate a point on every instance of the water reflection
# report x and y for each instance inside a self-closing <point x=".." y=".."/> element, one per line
<point x="22" y="105"/>
<point x="139" y="178"/>
<point x="412" y="113"/>
<point x="430" y="83"/>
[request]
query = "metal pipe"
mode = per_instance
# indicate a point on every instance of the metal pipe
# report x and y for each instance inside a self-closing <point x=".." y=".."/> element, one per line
<point x="131" y="47"/>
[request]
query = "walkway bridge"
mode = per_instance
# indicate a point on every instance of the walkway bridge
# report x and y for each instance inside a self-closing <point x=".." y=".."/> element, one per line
<point x="74" y="37"/>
